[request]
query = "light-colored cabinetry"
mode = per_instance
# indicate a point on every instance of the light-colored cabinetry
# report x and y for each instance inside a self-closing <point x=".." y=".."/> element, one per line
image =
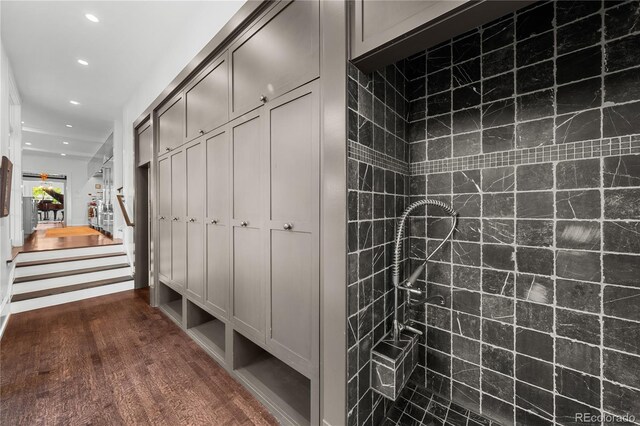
<point x="376" y="23"/>
<point x="171" y="125"/>
<point x="384" y="32"/>
<point x="292" y="188"/>
<point x="238" y="202"/>
<point x="164" y="218"/>
<point x="195" y="191"/>
<point x="247" y="225"/>
<point x="172" y="218"/>
<point x="207" y="99"/>
<point x="217" y="222"/>
<point x="280" y="53"/>
<point x="144" y="145"/>
<point x="178" y="219"/>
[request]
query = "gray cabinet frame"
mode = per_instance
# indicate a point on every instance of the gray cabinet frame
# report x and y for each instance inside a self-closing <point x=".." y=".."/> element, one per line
<point x="304" y="72"/>
<point x="307" y="365"/>
<point x="327" y="399"/>
<point x="219" y="67"/>
<point x="414" y="26"/>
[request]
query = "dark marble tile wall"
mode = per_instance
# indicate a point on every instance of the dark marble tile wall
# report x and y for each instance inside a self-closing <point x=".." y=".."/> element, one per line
<point x="377" y="193"/>
<point x="542" y="279"/>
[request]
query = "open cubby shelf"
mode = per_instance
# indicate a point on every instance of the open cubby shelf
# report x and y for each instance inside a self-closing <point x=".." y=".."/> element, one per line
<point x="206" y="328"/>
<point x="171" y="302"/>
<point x="287" y="389"/>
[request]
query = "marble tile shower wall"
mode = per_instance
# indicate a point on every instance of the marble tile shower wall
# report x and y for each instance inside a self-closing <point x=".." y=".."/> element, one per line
<point x="378" y="188"/>
<point x="542" y="280"/>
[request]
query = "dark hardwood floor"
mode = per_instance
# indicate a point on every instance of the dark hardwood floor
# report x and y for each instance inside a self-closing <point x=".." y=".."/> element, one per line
<point x="114" y="360"/>
<point x="39" y="242"/>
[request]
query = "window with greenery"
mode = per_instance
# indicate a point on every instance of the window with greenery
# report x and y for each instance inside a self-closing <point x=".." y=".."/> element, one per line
<point x="39" y="193"/>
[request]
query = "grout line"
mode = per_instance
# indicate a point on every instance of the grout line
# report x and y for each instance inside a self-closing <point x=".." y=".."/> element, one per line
<point x="515" y="206"/>
<point x="554" y="324"/>
<point x="603" y="64"/>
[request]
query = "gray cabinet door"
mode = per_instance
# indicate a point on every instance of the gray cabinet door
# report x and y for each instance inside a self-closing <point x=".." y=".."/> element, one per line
<point x="386" y="31"/>
<point x="207" y="99"/>
<point x="248" y="310"/>
<point x="248" y="293"/>
<point x="171" y="126"/>
<point x="196" y="162"/>
<point x="178" y="219"/>
<point x="217" y="217"/>
<point x="144" y="145"/>
<point x="164" y="218"/>
<point x="293" y="246"/>
<point x="279" y="53"/>
<point x="375" y="23"/>
<point x="246" y="165"/>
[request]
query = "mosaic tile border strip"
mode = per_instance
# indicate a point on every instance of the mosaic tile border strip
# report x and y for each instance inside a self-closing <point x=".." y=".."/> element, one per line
<point x="370" y="156"/>
<point x="542" y="154"/>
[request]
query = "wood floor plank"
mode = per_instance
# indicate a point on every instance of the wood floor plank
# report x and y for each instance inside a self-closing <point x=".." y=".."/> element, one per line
<point x="37" y="241"/>
<point x="114" y="360"/>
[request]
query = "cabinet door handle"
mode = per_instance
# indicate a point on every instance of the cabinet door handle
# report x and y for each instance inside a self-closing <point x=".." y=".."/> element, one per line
<point x="214" y="221"/>
<point x="167" y="149"/>
<point x="263" y="99"/>
<point x="243" y="223"/>
<point x="162" y="218"/>
<point x="175" y="219"/>
<point x="193" y="219"/>
<point x="201" y="131"/>
<point x="288" y="226"/>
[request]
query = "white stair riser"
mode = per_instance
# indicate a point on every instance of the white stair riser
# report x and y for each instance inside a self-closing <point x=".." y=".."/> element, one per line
<point x="64" y="253"/>
<point x="73" y="296"/>
<point x="29" y="286"/>
<point x="27" y="271"/>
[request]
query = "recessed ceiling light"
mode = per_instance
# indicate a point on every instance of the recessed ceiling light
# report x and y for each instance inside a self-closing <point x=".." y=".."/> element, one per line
<point x="22" y="122"/>
<point x="91" y="17"/>
<point x="74" y="102"/>
<point x="69" y="125"/>
<point x="27" y="143"/>
<point x="65" y="142"/>
<point x="63" y="154"/>
<point x="83" y="62"/>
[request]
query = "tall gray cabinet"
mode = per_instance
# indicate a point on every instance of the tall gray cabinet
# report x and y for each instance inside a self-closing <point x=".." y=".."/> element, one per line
<point x="238" y="178"/>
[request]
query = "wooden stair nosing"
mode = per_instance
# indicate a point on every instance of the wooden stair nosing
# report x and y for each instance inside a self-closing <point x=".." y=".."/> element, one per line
<point x="67" y="289"/>
<point x="31" y="251"/>
<point x="61" y="274"/>
<point x="67" y="259"/>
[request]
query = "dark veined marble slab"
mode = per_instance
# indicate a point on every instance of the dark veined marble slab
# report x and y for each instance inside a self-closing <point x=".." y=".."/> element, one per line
<point x="416" y="406"/>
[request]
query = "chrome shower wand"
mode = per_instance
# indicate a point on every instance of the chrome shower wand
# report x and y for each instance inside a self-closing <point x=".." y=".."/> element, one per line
<point x="408" y="284"/>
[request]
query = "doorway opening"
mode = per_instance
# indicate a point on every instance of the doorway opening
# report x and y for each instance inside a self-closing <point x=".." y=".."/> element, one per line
<point x="43" y="200"/>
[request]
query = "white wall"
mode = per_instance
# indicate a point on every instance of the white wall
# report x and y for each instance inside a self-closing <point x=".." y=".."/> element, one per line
<point x="10" y="145"/>
<point x="204" y="26"/>
<point x="78" y="187"/>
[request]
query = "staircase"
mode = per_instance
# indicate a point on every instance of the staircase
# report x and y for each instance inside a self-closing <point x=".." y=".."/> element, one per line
<point x="53" y="277"/>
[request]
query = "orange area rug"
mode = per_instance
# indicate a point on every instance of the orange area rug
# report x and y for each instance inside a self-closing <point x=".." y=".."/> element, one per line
<point x="70" y="231"/>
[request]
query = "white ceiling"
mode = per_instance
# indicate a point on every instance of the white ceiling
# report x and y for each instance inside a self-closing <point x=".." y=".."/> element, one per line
<point x="44" y="40"/>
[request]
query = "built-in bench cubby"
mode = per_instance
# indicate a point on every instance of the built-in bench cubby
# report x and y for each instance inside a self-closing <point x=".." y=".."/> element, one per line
<point x="170" y="301"/>
<point x="272" y="379"/>
<point x="208" y="330"/>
